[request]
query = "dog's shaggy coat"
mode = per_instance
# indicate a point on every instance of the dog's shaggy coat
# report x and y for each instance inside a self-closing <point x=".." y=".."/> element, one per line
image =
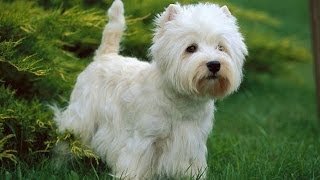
<point x="153" y="119"/>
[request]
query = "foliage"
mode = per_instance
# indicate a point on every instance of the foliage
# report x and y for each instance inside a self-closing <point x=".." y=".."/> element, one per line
<point x="7" y="153"/>
<point x="36" y="65"/>
<point x="27" y="125"/>
<point x="271" y="55"/>
<point x="30" y="126"/>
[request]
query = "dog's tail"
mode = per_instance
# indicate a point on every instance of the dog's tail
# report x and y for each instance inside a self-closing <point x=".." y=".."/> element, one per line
<point x="112" y="32"/>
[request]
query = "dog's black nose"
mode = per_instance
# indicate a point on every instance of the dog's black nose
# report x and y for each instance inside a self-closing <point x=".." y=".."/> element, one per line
<point x="214" y="66"/>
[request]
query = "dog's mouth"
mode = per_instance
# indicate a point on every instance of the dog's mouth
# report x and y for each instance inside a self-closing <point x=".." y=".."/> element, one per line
<point x="212" y="76"/>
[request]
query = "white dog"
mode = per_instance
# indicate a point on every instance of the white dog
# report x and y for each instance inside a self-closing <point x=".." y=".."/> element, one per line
<point x="150" y="120"/>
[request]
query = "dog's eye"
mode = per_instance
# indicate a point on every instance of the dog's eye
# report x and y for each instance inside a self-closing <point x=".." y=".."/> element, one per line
<point x="221" y="48"/>
<point x="192" y="48"/>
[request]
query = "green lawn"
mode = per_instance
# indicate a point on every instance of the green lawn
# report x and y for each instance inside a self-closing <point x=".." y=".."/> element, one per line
<point x="267" y="130"/>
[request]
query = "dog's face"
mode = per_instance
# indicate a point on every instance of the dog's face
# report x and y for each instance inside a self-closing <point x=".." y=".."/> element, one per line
<point x="199" y="49"/>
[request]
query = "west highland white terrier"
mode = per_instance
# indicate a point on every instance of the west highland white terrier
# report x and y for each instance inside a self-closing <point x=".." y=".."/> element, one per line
<point x="149" y="120"/>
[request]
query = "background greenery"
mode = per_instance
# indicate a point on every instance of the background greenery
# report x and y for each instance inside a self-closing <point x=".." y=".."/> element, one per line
<point x="267" y="130"/>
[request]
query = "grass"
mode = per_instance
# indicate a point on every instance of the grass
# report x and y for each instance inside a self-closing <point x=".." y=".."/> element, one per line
<point x="267" y="130"/>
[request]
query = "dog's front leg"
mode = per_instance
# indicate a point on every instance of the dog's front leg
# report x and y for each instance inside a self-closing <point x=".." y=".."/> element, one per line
<point x="192" y="155"/>
<point x="185" y="154"/>
<point x="135" y="159"/>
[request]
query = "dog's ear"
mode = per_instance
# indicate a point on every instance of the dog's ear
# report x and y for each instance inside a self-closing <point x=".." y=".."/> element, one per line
<point x="171" y="11"/>
<point x="226" y="11"/>
<point x="169" y="14"/>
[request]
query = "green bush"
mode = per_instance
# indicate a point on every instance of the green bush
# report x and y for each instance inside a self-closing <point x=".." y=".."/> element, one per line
<point x="40" y="54"/>
<point x="271" y="55"/>
<point x="27" y="124"/>
<point x="45" y="44"/>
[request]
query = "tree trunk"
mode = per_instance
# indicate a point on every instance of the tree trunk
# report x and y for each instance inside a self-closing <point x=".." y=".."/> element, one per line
<point x="315" y="23"/>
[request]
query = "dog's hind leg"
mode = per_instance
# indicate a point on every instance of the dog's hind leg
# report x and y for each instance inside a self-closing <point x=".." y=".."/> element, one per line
<point x="112" y="32"/>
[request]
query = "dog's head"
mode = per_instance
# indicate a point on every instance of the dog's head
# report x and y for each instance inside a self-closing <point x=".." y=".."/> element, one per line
<point x="199" y="49"/>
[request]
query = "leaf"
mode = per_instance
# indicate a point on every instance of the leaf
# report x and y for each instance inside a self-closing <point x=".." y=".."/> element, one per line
<point x="7" y="153"/>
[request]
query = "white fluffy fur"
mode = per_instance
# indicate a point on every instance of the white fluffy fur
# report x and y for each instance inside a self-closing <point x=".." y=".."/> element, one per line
<point x="153" y="119"/>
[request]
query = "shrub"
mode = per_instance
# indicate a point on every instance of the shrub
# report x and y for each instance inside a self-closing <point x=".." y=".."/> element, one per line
<point x="40" y="55"/>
